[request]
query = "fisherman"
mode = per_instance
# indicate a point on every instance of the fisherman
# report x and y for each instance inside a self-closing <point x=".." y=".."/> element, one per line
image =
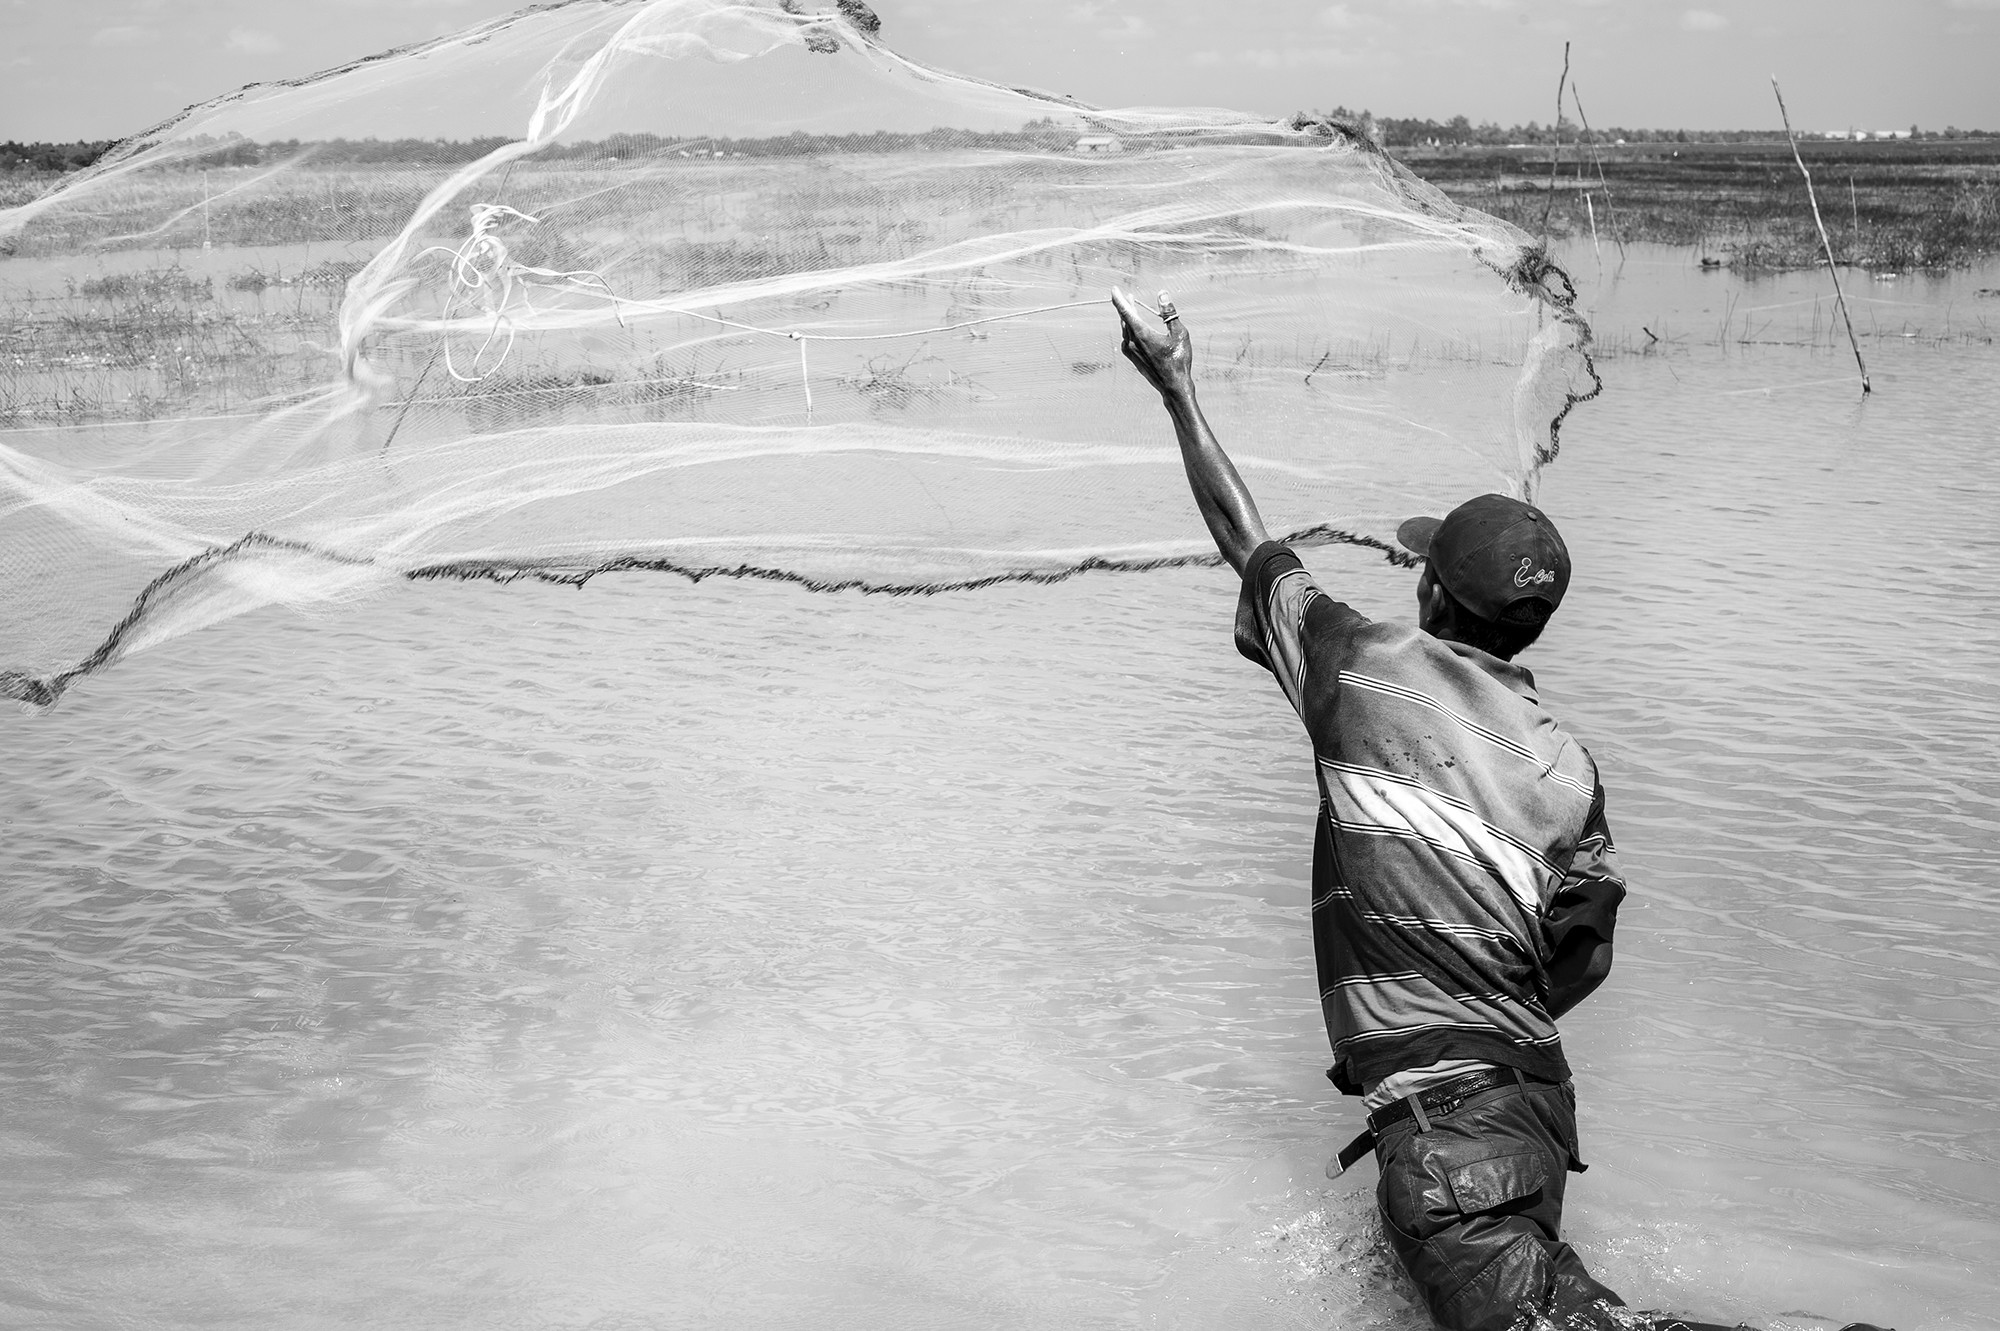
<point x="1464" y="887"/>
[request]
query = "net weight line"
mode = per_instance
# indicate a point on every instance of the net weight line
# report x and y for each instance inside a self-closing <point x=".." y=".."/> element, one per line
<point x="46" y="690"/>
<point x="506" y="571"/>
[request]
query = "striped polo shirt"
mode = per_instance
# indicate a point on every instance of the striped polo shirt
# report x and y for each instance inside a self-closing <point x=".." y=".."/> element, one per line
<point x="1464" y="885"/>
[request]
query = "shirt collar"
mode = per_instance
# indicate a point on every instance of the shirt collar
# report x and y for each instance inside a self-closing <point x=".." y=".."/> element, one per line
<point x="1513" y="676"/>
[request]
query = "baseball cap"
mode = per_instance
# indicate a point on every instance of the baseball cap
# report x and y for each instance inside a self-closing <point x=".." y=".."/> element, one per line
<point x="1502" y="559"/>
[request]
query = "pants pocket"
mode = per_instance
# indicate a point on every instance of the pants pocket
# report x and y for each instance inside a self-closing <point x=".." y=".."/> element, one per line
<point x="1433" y="1180"/>
<point x="1491" y="1184"/>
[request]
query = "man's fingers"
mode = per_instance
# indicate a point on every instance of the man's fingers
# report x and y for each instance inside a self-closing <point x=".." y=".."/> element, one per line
<point x="1137" y="324"/>
<point x="1126" y="309"/>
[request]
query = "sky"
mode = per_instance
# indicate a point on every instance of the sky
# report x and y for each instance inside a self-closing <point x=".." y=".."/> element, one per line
<point x="95" y="69"/>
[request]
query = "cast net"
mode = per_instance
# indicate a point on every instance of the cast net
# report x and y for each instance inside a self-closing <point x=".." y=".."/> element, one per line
<point x="716" y="288"/>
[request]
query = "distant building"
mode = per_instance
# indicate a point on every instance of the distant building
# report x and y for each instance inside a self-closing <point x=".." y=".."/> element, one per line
<point x="1099" y="143"/>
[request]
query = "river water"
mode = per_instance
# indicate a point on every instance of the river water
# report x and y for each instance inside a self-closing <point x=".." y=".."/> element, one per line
<point x="658" y="955"/>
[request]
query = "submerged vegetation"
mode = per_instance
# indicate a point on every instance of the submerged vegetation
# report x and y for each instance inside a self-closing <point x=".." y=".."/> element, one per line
<point x="162" y="340"/>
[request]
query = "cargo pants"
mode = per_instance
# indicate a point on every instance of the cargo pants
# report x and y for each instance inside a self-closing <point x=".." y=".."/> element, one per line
<point x="1472" y="1205"/>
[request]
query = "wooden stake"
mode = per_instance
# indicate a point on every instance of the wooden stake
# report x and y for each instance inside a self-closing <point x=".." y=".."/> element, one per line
<point x="1610" y="207"/>
<point x="1833" y="270"/>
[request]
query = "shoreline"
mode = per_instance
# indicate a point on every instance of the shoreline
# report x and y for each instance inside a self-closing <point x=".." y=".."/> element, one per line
<point x="1896" y="205"/>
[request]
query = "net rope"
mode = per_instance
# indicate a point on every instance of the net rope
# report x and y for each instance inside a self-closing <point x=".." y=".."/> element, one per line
<point x="518" y="305"/>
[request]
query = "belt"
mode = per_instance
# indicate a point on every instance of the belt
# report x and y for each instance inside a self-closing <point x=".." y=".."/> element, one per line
<point x="1443" y="1098"/>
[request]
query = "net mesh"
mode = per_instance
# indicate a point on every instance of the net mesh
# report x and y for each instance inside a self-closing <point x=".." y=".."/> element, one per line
<point x="718" y="289"/>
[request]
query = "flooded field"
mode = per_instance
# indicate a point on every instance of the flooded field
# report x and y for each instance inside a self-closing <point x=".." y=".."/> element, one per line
<point x="725" y="955"/>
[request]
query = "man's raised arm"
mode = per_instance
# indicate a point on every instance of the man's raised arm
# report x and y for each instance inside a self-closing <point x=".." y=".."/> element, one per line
<point x="1164" y="355"/>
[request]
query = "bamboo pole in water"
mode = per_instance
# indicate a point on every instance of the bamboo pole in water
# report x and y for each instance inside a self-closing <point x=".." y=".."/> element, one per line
<point x="1832" y="269"/>
<point x="1610" y="208"/>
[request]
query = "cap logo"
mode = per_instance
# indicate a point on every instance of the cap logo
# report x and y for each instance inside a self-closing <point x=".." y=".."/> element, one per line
<point x="1529" y="576"/>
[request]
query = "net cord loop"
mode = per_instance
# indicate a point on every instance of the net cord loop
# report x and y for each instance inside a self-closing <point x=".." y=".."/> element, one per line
<point x="469" y="279"/>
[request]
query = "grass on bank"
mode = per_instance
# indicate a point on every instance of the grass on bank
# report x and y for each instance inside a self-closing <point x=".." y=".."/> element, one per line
<point x="1891" y="206"/>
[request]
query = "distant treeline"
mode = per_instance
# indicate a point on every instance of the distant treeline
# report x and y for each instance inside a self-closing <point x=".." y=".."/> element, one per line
<point x="1038" y="135"/>
<point x="52" y="156"/>
<point x="1043" y="135"/>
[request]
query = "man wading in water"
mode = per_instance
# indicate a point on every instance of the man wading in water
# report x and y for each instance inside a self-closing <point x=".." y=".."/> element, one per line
<point x="1463" y="889"/>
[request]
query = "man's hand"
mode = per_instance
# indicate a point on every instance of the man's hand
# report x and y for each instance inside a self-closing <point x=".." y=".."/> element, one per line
<point x="1162" y="353"/>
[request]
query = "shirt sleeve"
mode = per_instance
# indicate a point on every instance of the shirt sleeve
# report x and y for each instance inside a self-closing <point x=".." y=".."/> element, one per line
<point x="1583" y="914"/>
<point x="1271" y="616"/>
